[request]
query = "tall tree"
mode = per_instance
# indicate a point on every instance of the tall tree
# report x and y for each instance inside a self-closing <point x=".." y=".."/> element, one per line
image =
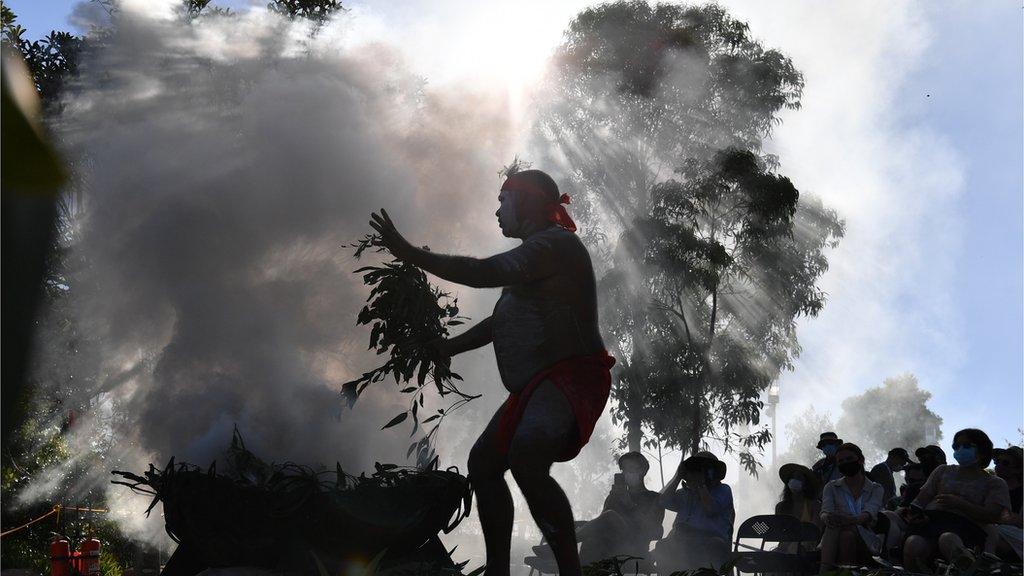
<point x="803" y="433"/>
<point x="700" y="321"/>
<point x="704" y="294"/>
<point x="892" y="415"/>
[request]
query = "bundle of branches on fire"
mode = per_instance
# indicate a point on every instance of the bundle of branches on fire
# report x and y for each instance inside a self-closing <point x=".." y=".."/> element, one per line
<point x="407" y="316"/>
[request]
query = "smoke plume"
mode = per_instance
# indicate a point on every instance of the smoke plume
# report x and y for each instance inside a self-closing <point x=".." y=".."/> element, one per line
<point x="227" y="165"/>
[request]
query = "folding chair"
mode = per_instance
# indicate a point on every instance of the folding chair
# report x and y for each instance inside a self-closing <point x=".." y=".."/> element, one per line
<point x="771" y="529"/>
<point x="545" y="564"/>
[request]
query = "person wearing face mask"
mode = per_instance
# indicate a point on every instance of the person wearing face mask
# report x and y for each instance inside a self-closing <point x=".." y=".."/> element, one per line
<point x="549" y="353"/>
<point x="882" y="473"/>
<point x="1006" y="538"/>
<point x="800" y="500"/>
<point x="849" y="507"/>
<point x="825" y="468"/>
<point x="631" y="517"/>
<point x="955" y="503"/>
<point x="702" y="531"/>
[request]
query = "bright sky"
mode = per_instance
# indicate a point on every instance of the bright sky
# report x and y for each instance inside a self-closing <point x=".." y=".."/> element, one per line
<point x="911" y="127"/>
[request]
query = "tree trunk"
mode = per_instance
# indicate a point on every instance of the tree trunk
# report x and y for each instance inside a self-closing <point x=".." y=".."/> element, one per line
<point x="634" y="434"/>
<point x="697" y="425"/>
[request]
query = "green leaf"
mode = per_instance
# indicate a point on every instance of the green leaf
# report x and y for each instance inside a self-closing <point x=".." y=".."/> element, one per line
<point x="396" y="420"/>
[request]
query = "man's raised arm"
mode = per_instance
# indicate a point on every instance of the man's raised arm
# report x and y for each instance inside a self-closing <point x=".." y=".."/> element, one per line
<point x="533" y="260"/>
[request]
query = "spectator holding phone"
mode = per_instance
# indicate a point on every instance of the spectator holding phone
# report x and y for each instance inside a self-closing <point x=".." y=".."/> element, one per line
<point x="955" y="503"/>
<point x="702" y="531"/>
<point x="631" y="517"/>
<point x="849" y="507"/>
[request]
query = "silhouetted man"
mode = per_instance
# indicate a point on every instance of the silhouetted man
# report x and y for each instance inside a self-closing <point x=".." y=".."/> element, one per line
<point x="550" y="357"/>
<point x="930" y="457"/>
<point x="882" y="473"/>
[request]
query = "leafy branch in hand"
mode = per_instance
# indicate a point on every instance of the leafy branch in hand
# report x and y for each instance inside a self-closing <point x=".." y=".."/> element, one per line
<point x="406" y="315"/>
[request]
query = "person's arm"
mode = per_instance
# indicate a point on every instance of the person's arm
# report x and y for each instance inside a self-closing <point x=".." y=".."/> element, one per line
<point x="655" y="521"/>
<point x="987" y="514"/>
<point x="997" y="501"/>
<point x="930" y="488"/>
<point x="717" y="504"/>
<point x="829" y="513"/>
<point x="872" y="506"/>
<point x="667" y="498"/>
<point x="477" y="336"/>
<point x="534" y="260"/>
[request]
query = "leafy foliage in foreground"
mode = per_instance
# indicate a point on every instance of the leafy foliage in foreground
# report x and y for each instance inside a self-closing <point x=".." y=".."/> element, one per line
<point x="407" y="314"/>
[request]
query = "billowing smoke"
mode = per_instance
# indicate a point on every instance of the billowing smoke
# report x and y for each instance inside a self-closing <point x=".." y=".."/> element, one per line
<point x="228" y="164"/>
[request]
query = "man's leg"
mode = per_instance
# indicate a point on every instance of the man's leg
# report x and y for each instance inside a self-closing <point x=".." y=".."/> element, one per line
<point x="547" y="429"/>
<point x="486" y="470"/>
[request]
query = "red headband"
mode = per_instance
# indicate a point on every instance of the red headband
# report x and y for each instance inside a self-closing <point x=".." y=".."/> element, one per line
<point x="555" y="211"/>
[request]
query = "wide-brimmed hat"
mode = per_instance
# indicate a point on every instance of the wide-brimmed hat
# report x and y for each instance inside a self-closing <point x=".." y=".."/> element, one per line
<point x="794" y="470"/>
<point x="705" y="459"/>
<point x="636" y="456"/>
<point x="1015" y="451"/>
<point x="930" y="450"/>
<point x="828" y="438"/>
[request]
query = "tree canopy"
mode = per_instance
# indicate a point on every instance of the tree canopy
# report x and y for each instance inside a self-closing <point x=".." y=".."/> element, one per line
<point x="892" y="415"/>
<point x="654" y="123"/>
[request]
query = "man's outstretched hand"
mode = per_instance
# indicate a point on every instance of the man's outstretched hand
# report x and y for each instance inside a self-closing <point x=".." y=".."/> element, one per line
<point x="389" y="235"/>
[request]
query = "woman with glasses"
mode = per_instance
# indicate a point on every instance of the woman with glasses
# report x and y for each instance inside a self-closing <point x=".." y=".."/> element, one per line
<point x="954" y="505"/>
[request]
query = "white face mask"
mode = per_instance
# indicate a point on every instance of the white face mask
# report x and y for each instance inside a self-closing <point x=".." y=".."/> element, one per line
<point x="796" y="485"/>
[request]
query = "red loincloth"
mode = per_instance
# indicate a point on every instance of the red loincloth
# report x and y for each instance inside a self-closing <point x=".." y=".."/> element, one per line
<point x="586" y="382"/>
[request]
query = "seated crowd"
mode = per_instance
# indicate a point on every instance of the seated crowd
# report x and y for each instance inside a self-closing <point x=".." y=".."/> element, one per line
<point x="939" y="510"/>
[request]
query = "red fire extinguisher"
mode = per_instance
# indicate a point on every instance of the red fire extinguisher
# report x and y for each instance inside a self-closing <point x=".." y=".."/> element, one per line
<point x="89" y="557"/>
<point x="76" y="563"/>
<point x="60" y="557"/>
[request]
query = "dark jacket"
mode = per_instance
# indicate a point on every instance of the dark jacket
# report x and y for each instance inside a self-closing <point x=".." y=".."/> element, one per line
<point x="641" y="512"/>
<point x="882" y="474"/>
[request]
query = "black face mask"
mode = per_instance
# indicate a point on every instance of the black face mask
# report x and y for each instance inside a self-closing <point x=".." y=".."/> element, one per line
<point x="849" y="468"/>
